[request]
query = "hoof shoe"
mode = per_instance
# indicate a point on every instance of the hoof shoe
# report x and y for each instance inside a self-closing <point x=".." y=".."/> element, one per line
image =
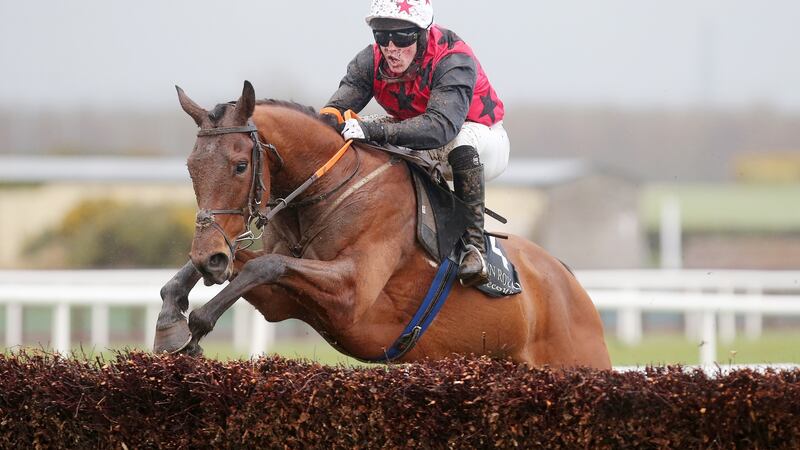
<point x="172" y="338"/>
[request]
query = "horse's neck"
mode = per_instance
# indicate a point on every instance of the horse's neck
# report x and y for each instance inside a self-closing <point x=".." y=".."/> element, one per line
<point x="304" y="143"/>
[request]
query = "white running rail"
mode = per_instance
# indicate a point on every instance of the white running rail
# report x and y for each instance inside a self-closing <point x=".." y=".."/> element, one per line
<point x="710" y="300"/>
<point x="101" y="289"/>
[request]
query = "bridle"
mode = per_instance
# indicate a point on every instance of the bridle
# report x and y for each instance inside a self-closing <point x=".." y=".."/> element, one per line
<point x="255" y="214"/>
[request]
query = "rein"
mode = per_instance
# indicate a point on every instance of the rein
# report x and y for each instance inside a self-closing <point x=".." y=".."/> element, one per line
<point x="254" y="214"/>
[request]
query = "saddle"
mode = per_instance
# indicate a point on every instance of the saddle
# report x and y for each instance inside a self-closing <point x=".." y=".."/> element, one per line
<point x="442" y="219"/>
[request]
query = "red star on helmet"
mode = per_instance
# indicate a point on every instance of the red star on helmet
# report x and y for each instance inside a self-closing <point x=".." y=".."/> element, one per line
<point x="404" y="6"/>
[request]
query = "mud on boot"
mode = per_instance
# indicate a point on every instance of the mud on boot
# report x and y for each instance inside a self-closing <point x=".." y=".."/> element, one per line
<point x="468" y="184"/>
<point x="472" y="267"/>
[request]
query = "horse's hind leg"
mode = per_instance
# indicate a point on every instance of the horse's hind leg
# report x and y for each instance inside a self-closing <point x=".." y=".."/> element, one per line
<point x="172" y="330"/>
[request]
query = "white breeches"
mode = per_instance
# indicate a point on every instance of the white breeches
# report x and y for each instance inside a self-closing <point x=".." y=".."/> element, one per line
<point x="491" y="142"/>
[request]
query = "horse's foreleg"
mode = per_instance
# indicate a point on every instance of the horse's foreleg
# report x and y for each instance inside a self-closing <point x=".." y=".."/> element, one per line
<point x="322" y="281"/>
<point x="172" y="331"/>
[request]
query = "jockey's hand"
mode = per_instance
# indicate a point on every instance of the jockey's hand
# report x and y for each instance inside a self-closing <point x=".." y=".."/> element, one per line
<point x="364" y="131"/>
<point x="331" y="121"/>
<point x="354" y="129"/>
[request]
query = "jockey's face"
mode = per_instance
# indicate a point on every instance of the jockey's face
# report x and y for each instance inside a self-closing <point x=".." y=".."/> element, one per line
<point x="398" y="59"/>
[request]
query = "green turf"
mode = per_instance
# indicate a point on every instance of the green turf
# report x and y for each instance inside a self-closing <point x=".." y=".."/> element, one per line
<point x="772" y="347"/>
<point x="726" y="207"/>
<point x="310" y="350"/>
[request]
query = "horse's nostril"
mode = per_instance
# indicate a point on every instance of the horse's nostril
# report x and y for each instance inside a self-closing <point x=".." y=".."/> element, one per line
<point x="218" y="261"/>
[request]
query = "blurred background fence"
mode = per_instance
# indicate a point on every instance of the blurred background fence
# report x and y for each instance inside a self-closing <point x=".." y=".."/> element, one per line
<point x="127" y="213"/>
<point x="655" y="149"/>
<point x="710" y="303"/>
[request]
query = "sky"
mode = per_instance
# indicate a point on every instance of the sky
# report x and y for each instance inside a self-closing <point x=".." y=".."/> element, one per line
<point x="631" y="53"/>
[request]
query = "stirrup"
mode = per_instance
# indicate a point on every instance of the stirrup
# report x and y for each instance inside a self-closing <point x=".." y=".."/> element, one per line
<point x="471" y="248"/>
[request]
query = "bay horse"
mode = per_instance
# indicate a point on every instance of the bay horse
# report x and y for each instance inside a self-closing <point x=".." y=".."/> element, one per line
<point x="360" y="273"/>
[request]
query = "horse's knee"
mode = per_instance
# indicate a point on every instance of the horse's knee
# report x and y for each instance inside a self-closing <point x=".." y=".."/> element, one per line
<point x="176" y="293"/>
<point x="176" y="290"/>
<point x="174" y="303"/>
<point x="199" y="324"/>
<point x="170" y="291"/>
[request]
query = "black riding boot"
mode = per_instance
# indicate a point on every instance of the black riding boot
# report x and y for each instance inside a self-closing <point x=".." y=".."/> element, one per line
<point x="469" y="187"/>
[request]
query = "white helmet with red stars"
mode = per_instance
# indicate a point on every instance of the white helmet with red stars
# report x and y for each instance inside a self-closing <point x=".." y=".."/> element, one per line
<point x="416" y="12"/>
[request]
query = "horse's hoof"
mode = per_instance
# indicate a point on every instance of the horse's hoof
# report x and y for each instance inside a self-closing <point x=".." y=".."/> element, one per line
<point x="173" y="338"/>
<point x="193" y="349"/>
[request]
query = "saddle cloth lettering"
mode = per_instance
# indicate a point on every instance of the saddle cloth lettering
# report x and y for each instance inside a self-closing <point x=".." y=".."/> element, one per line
<point x="503" y="278"/>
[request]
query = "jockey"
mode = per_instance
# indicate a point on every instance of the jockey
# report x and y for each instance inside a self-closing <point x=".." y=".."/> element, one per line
<point x="439" y="100"/>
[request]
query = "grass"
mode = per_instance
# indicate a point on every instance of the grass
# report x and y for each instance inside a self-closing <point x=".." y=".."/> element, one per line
<point x="772" y="347"/>
<point x="309" y="350"/>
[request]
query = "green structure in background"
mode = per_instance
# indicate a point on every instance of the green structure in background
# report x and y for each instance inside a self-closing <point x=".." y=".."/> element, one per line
<point x="767" y="208"/>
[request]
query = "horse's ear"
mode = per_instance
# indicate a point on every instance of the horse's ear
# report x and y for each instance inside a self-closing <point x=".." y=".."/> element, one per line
<point x="246" y="103"/>
<point x="192" y="109"/>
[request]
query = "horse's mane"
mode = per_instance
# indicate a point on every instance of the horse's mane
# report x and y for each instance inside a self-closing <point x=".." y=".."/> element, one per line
<point x="307" y="110"/>
<point x="218" y="112"/>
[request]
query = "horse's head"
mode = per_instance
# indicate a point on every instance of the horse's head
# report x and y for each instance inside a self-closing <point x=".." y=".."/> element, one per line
<point x="227" y="181"/>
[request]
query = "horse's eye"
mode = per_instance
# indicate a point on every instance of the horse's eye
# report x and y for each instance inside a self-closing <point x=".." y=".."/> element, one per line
<point x="241" y="167"/>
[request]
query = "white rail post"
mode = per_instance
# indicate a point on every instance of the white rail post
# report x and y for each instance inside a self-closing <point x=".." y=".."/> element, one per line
<point x="13" y="325"/>
<point x="753" y="321"/>
<point x="727" y="320"/>
<point x="100" y="332"/>
<point x="150" y="321"/>
<point x="242" y="311"/>
<point x="671" y="239"/>
<point x="263" y="335"/>
<point x="708" y="346"/>
<point x="629" y="322"/>
<point x="671" y="246"/>
<point x="630" y="326"/>
<point x="692" y="323"/>
<point x="61" y="329"/>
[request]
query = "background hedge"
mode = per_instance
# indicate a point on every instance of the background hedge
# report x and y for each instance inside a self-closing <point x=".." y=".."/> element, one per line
<point x="109" y="234"/>
<point x="144" y="401"/>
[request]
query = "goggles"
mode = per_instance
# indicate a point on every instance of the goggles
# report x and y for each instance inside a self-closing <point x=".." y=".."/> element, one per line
<point x="401" y="38"/>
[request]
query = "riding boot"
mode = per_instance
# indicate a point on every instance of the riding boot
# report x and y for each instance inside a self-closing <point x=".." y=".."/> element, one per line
<point x="468" y="184"/>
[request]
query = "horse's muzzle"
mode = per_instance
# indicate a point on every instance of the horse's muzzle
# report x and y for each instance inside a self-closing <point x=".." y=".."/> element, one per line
<point x="214" y="268"/>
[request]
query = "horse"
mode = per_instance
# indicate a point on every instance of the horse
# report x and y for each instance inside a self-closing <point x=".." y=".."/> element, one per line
<point x="345" y="259"/>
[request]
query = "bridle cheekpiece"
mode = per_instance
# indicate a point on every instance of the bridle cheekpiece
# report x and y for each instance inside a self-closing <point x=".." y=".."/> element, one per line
<point x="254" y="213"/>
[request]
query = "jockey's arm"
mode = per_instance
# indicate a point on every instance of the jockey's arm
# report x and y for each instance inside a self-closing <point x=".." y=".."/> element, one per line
<point x="452" y="85"/>
<point x="355" y="89"/>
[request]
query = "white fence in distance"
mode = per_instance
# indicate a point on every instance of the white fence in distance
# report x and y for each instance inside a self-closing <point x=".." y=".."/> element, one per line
<point x="101" y="289"/>
<point x="710" y="299"/>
